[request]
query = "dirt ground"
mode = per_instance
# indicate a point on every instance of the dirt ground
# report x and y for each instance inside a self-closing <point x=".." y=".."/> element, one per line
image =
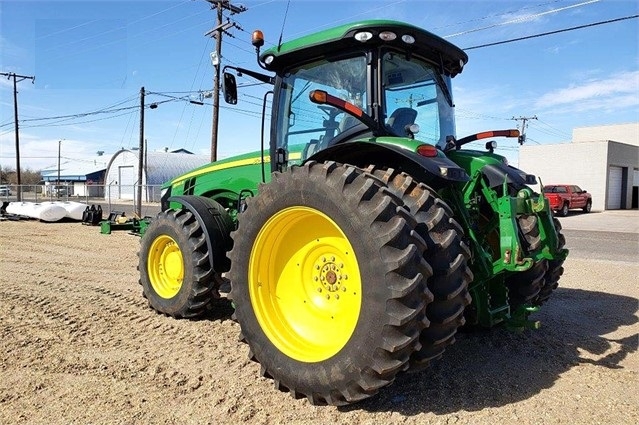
<point x="78" y="344"/>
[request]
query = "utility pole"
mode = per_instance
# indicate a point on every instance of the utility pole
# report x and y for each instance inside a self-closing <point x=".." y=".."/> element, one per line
<point x="57" y="187"/>
<point x="522" y="136"/>
<point x="220" y="28"/>
<point x="15" y="117"/>
<point x="140" y="155"/>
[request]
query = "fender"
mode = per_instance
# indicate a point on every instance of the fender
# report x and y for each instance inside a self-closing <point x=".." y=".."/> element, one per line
<point x="216" y="224"/>
<point x="497" y="172"/>
<point x="437" y="171"/>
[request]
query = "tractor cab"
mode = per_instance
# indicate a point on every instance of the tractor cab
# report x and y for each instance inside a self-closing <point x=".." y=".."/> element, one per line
<point x="373" y="81"/>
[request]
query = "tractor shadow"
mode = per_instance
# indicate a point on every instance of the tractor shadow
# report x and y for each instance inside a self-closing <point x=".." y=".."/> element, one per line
<point x="496" y="368"/>
<point x="221" y="311"/>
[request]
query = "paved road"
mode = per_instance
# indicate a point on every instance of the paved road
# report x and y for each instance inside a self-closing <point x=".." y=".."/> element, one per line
<point x="608" y="235"/>
<point x="624" y="221"/>
<point x="597" y="245"/>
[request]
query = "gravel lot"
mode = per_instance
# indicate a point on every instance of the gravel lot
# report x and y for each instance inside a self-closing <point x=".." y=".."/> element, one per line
<point x="78" y="344"/>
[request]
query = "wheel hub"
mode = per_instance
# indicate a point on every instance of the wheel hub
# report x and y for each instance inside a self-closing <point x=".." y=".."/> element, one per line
<point x="331" y="276"/>
<point x="165" y="266"/>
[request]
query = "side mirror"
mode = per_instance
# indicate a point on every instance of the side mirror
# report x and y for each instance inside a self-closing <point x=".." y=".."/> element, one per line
<point x="229" y="87"/>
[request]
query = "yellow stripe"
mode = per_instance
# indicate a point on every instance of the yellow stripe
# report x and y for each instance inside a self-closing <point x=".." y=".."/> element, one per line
<point x="239" y="163"/>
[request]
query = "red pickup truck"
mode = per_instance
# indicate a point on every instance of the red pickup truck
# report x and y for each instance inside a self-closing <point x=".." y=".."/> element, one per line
<point x="564" y="197"/>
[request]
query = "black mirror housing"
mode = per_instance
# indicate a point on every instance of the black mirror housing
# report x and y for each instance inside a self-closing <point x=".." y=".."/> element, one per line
<point x="229" y="87"/>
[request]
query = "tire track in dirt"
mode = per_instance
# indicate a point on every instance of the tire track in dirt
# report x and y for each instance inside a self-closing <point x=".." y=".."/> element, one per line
<point x="53" y="315"/>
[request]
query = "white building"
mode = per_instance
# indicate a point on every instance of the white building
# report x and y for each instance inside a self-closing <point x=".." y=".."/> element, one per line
<point x="603" y="160"/>
<point x="84" y="177"/>
<point x="159" y="167"/>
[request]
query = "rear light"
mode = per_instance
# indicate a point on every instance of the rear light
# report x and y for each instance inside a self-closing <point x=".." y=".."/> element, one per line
<point x="318" y="96"/>
<point x="428" y="151"/>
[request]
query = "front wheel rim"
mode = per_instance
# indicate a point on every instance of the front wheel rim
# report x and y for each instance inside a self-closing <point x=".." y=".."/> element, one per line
<point x="304" y="284"/>
<point x="165" y="266"/>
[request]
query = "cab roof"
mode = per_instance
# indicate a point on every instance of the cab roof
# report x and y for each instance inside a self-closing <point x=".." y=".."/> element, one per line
<point x="342" y="38"/>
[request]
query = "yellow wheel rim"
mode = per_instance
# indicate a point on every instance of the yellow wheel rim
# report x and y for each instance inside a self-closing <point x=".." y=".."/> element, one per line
<point x="304" y="284"/>
<point x="165" y="266"/>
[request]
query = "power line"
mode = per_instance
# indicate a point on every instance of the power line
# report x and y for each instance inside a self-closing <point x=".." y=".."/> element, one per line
<point x="494" y="15"/>
<point x="551" y="129"/>
<point x="522" y="18"/>
<point x="543" y="34"/>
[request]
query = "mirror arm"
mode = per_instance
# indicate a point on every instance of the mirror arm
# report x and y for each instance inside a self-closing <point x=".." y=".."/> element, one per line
<point x="257" y="75"/>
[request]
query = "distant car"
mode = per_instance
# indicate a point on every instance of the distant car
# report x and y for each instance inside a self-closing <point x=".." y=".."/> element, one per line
<point x="61" y="191"/>
<point x="5" y="191"/>
<point x="564" y="197"/>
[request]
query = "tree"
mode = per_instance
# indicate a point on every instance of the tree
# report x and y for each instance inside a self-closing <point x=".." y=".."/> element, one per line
<point x="28" y="177"/>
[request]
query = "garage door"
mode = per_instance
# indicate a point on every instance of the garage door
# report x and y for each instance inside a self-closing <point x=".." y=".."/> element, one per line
<point x="127" y="181"/>
<point x="615" y="176"/>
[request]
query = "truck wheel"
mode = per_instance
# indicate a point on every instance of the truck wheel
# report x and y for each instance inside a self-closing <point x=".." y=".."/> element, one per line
<point x="175" y="272"/>
<point x="564" y="210"/>
<point x="328" y="283"/>
<point x="588" y="207"/>
<point x="555" y="269"/>
<point x="448" y="257"/>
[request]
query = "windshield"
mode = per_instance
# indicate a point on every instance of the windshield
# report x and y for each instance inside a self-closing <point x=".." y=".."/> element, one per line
<point x="415" y="93"/>
<point x="302" y="122"/>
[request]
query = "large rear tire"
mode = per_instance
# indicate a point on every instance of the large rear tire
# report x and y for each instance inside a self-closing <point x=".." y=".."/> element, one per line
<point x="448" y="257"/>
<point x="328" y="283"/>
<point x="175" y="271"/>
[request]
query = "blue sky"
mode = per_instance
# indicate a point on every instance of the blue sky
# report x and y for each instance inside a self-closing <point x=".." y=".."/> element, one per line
<point x="89" y="56"/>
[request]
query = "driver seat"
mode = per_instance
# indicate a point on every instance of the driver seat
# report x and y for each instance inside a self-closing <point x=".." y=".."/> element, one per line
<point x="400" y="118"/>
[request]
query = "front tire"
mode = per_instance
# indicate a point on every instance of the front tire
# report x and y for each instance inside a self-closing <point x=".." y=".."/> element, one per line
<point x="175" y="271"/>
<point x="563" y="212"/>
<point x="555" y="269"/>
<point x="329" y="283"/>
<point x="524" y="287"/>
<point x="588" y="207"/>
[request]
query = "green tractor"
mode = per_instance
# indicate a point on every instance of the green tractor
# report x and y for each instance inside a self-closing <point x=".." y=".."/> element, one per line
<point x="365" y="238"/>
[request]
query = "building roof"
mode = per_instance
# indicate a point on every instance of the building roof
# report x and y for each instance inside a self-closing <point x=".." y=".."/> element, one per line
<point x="75" y="170"/>
<point x="160" y="166"/>
<point x="164" y="166"/>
